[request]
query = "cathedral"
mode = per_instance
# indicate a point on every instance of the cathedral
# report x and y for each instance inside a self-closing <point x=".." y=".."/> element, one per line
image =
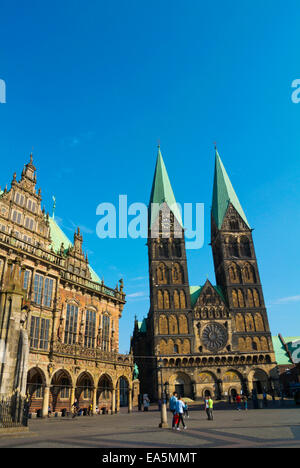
<point x="209" y="339"/>
<point x="59" y="322"/>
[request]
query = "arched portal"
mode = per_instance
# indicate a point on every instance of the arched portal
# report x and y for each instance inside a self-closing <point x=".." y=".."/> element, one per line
<point x="60" y="391"/>
<point x="123" y="391"/>
<point x="181" y="383"/>
<point x="104" y="393"/>
<point x="84" y="391"/>
<point x="259" y="381"/>
<point x="35" y="389"/>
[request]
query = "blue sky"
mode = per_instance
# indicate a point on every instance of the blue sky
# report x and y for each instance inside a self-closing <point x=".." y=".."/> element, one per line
<point x="92" y="86"/>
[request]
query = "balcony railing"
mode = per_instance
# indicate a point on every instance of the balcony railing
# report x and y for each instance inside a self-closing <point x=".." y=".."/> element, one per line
<point x="60" y="262"/>
<point x="77" y="351"/>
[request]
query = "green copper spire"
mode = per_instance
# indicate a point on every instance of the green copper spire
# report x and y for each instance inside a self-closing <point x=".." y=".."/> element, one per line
<point x="162" y="191"/>
<point x="223" y="193"/>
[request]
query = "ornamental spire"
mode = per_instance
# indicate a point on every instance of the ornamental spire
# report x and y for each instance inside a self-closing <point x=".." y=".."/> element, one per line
<point x="223" y="194"/>
<point x="162" y="191"/>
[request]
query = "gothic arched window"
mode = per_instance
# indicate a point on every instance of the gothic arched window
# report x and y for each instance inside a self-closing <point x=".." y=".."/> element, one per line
<point x="162" y="274"/>
<point x="233" y="247"/>
<point x="176" y="300"/>
<point x="182" y="300"/>
<point x="241" y="298"/>
<point x="160" y="300"/>
<point x="177" y="276"/>
<point x="245" y="247"/>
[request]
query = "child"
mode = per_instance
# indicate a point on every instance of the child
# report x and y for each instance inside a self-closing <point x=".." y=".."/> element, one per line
<point x="185" y="409"/>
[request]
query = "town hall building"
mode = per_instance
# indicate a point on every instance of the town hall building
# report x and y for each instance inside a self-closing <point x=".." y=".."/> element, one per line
<point x="59" y="323"/>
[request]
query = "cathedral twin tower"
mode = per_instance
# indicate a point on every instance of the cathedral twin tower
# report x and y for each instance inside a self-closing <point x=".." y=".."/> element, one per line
<point x="210" y="339"/>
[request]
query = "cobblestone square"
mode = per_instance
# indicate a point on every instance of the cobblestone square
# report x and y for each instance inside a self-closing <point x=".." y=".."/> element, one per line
<point x="263" y="428"/>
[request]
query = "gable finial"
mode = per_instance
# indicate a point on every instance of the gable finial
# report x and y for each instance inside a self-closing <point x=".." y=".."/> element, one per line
<point x="54" y="205"/>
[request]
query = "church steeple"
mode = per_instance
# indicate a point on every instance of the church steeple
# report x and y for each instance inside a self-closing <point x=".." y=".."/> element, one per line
<point x="162" y="192"/>
<point x="223" y="194"/>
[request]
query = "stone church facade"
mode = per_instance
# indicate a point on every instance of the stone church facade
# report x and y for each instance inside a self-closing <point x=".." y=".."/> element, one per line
<point x="209" y="339"/>
<point x="59" y="323"/>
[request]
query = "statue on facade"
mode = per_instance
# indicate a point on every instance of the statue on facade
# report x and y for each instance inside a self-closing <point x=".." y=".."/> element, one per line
<point x="135" y="372"/>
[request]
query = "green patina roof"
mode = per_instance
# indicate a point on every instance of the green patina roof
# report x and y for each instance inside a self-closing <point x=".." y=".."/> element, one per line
<point x="58" y="237"/>
<point x="223" y="193"/>
<point x="142" y="326"/>
<point x="282" y="357"/>
<point x="162" y="191"/>
<point x="196" y="290"/>
<point x="195" y="293"/>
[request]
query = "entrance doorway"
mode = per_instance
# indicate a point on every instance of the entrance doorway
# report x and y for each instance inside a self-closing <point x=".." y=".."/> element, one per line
<point x="179" y="388"/>
<point x="258" y="387"/>
<point x="123" y="392"/>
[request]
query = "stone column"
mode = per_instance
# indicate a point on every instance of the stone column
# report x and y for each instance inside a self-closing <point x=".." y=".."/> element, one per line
<point x="130" y="400"/>
<point x="118" y="397"/>
<point x="46" y="401"/>
<point x="113" y="401"/>
<point x="72" y="398"/>
<point x="94" y="399"/>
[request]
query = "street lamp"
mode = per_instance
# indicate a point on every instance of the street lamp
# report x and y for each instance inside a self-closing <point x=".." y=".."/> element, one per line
<point x="163" y="411"/>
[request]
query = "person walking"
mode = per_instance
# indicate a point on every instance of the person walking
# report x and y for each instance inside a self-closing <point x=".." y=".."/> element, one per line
<point x="146" y="402"/>
<point x="245" y="401"/>
<point x="210" y="409"/>
<point x="90" y="410"/>
<point x="172" y="407"/>
<point x="206" y="407"/>
<point x="186" y="410"/>
<point x="238" y="402"/>
<point x="180" y="410"/>
<point x="75" y="408"/>
<point x="159" y="405"/>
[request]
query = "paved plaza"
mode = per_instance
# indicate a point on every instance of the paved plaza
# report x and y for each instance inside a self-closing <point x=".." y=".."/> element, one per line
<point x="269" y="427"/>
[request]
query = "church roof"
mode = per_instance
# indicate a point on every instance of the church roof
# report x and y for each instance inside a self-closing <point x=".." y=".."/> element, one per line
<point x="196" y="290"/>
<point x="162" y="191"/>
<point x="223" y="193"/>
<point x="58" y="237"/>
<point x="142" y="326"/>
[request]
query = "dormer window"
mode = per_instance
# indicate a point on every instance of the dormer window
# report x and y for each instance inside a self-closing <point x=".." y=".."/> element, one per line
<point x="31" y="206"/>
<point x="19" y="199"/>
<point x="16" y="217"/>
<point x="29" y="223"/>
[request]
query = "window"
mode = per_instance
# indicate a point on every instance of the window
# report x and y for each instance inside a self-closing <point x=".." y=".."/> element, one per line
<point x="42" y="288"/>
<point x="29" y="223"/>
<point x="65" y="388"/>
<point x="39" y="332"/>
<point x="105" y="336"/>
<point x="27" y="239"/>
<point x="16" y="217"/>
<point x="26" y="279"/>
<point x="37" y="288"/>
<point x="19" y="199"/>
<point x="90" y="325"/>
<point x="87" y="393"/>
<point x="29" y="205"/>
<point x="71" y="324"/>
<point x="47" y="294"/>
